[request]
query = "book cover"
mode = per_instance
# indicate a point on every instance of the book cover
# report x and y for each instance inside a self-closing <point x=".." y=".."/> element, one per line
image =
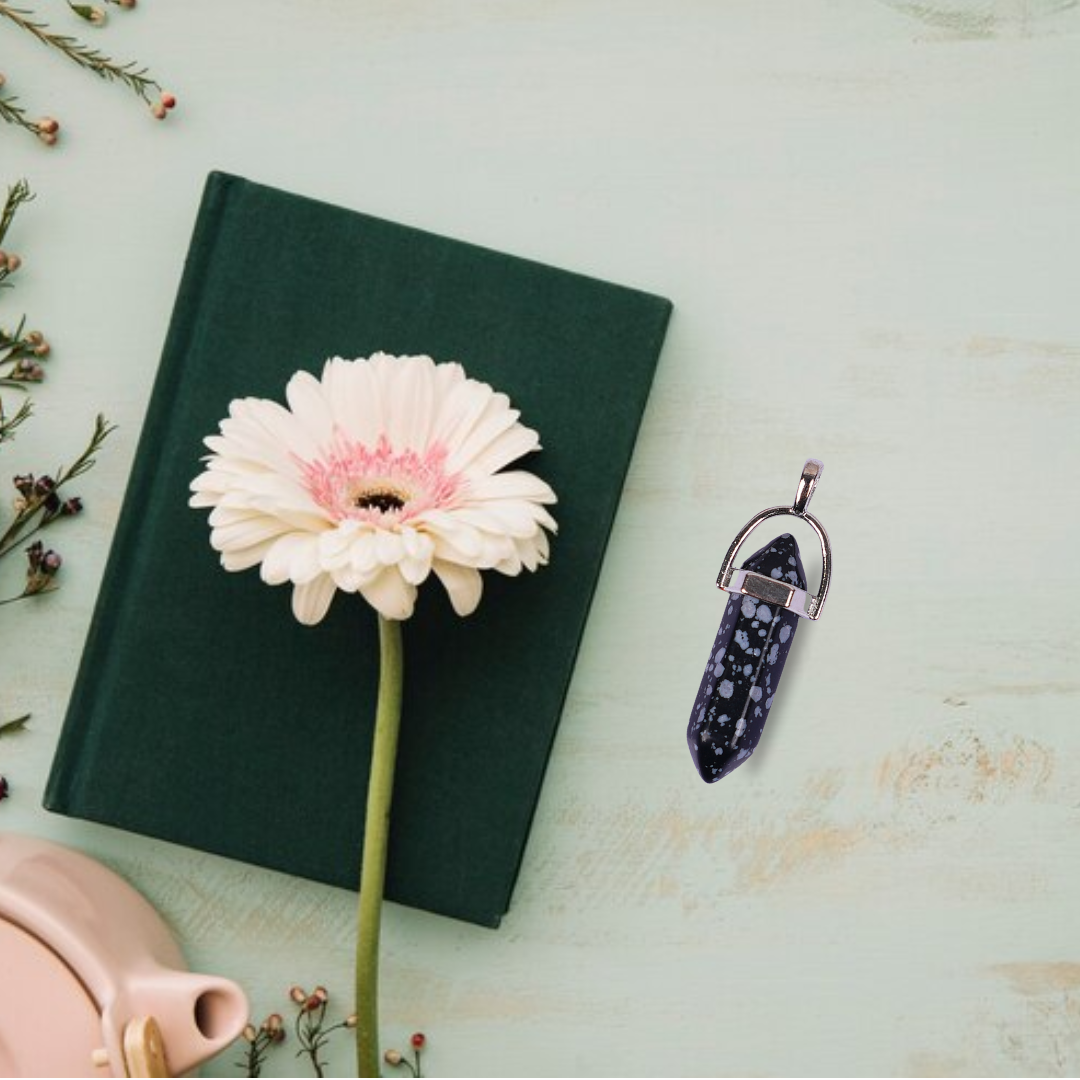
<point x="203" y="713"/>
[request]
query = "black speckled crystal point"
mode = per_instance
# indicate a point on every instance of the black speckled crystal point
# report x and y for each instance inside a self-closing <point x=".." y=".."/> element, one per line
<point x="744" y="668"/>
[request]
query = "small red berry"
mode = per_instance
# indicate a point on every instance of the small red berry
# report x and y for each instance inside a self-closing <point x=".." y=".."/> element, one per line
<point x="159" y="111"/>
<point x="418" y="1040"/>
<point x="168" y="100"/>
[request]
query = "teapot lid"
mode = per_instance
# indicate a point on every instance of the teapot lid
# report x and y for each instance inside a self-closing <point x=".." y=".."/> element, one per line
<point x="36" y="982"/>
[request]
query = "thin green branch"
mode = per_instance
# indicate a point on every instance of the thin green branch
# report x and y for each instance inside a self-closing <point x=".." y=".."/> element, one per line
<point x="9" y="422"/>
<point x="18" y="194"/>
<point x="86" y="460"/>
<point x="13" y="113"/>
<point x="18" y="539"/>
<point x="27" y="595"/>
<point x="137" y="79"/>
<point x="15" y="535"/>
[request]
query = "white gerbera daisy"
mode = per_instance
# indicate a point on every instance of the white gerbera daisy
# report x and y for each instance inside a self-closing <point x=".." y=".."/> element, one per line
<point x="381" y="472"/>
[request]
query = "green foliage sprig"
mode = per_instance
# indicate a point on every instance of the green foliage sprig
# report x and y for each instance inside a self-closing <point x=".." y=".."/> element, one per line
<point x="41" y="500"/>
<point x="134" y="76"/>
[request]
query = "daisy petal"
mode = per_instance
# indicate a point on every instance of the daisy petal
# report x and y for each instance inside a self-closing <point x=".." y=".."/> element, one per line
<point x="463" y="585"/>
<point x="311" y="601"/>
<point x="390" y="594"/>
<point x="245" y="558"/>
<point x="511" y="485"/>
<point x="507" y="447"/>
<point x="308" y="404"/>
<point x="277" y="564"/>
<point x="411" y="404"/>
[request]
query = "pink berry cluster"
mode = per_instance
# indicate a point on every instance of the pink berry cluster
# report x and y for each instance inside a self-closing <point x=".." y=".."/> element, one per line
<point x="164" y="105"/>
<point x="311" y="1030"/>
<point x="48" y="130"/>
<point x="417" y="1042"/>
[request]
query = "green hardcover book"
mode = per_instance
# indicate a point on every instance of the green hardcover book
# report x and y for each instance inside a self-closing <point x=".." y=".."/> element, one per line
<point x="203" y="712"/>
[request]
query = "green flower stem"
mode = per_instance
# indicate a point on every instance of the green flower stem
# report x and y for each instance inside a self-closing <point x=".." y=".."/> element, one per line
<point x="376" y="833"/>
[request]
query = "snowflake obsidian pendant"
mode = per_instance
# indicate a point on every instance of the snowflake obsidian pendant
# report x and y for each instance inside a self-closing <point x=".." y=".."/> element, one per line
<point x="768" y="597"/>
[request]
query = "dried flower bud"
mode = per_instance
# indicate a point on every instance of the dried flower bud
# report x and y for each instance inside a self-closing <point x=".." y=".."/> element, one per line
<point x="34" y="554"/>
<point x="35" y="337"/>
<point x="418" y="1040"/>
<point x="321" y="993"/>
<point x="249" y="1033"/>
<point x="5" y="788"/>
<point x="44" y="485"/>
<point x="41" y="568"/>
<point x="47" y="137"/>
<point x="88" y="12"/>
<point x="13" y="263"/>
<point x="159" y="111"/>
<point x="42" y="349"/>
<point x="168" y="99"/>
<point x="19" y="504"/>
<point x="27" y="370"/>
<point x="298" y="994"/>
<point x="24" y="484"/>
<point x="393" y="1057"/>
<point x="312" y="1004"/>
<point x="350" y="1020"/>
<point x="273" y="1022"/>
<point x="71" y="507"/>
<point x="126" y="3"/>
<point x="3" y="260"/>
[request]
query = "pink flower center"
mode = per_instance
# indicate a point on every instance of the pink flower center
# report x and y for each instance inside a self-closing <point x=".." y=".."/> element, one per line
<point x="380" y="485"/>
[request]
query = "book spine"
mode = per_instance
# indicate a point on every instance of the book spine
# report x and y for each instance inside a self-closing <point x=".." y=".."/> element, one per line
<point x="63" y="791"/>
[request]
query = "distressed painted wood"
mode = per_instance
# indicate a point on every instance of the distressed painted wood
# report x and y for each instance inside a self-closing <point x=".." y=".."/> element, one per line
<point x="867" y="214"/>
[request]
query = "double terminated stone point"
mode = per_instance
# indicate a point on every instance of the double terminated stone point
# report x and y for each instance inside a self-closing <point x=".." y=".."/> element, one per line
<point x="743" y="672"/>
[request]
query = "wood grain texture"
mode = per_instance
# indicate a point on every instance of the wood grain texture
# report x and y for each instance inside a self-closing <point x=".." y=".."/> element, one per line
<point x="867" y="214"/>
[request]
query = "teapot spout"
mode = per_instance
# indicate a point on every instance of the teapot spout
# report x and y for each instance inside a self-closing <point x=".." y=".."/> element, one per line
<point x="198" y="1015"/>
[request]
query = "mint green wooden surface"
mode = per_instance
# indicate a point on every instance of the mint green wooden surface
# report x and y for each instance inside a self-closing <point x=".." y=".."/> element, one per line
<point x="868" y="216"/>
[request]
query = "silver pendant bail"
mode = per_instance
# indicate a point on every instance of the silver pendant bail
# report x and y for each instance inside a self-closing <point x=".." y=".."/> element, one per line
<point x="747" y="582"/>
<point x="811" y="474"/>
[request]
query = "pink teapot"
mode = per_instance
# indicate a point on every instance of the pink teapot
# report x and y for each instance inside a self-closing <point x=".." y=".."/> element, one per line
<point x="91" y="981"/>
